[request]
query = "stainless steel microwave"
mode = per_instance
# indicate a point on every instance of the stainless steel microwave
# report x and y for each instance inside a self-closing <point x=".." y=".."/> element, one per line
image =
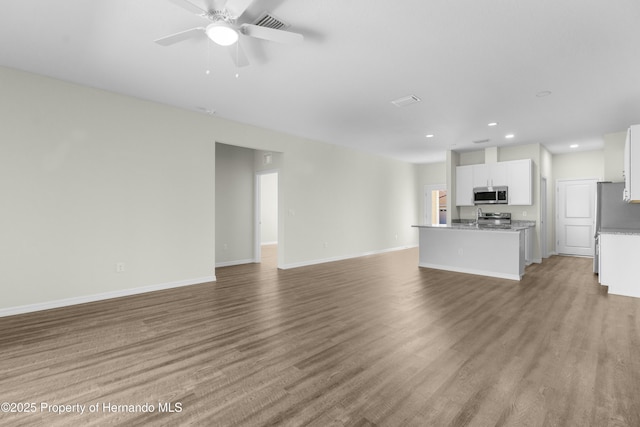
<point x="490" y="195"/>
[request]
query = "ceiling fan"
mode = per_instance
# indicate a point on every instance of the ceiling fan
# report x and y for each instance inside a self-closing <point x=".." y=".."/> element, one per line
<point x="225" y="31"/>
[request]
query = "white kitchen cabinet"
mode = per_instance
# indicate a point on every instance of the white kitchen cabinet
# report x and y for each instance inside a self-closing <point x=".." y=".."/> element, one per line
<point x="490" y="174"/>
<point x="618" y="251"/>
<point x="519" y="182"/>
<point x="480" y="175"/>
<point x="631" y="159"/>
<point x="464" y="185"/>
<point x="515" y="174"/>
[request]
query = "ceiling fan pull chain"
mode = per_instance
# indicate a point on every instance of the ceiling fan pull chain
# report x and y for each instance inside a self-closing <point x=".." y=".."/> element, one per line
<point x="237" y="58"/>
<point x="208" y="71"/>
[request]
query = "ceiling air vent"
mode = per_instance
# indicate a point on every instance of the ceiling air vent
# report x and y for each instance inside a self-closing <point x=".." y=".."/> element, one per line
<point x="269" y="21"/>
<point x="406" y="100"/>
<point x="481" y="141"/>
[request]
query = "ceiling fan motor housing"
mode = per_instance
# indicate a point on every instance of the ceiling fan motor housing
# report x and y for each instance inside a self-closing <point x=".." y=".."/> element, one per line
<point x="221" y="15"/>
<point x="222" y="28"/>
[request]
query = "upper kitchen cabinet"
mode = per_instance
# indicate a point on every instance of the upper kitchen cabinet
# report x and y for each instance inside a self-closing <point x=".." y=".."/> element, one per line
<point x="519" y="182"/>
<point x="490" y="174"/>
<point x="516" y="174"/>
<point x="632" y="165"/>
<point x="464" y="185"/>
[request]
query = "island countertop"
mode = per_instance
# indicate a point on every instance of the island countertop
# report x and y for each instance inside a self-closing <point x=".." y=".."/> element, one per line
<point x="475" y="227"/>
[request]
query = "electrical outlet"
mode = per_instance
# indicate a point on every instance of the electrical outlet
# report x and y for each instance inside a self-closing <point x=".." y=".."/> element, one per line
<point x="120" y="267"/>
<point x="326" y="244"/>
<point x="225" y="247"/>
<point x="524" y="213"/>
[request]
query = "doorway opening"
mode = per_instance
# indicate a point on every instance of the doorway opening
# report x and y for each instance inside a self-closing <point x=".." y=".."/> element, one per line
<point x="435" y="204"/>
<point x="266" y="240"/>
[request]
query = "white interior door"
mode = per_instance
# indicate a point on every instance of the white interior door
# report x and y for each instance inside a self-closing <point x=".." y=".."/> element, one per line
<point x="575" y="217"/>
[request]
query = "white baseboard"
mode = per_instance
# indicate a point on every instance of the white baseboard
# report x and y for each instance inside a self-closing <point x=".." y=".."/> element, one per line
<point x="11" y="311"/>
<point x="341" y="258"/>
<point x="236" y="262"/>
<point x="269" y="243"/>
<point x="471" y="271"/>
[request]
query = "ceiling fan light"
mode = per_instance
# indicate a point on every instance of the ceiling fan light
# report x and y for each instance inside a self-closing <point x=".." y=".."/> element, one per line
<point x="220" y="33"/>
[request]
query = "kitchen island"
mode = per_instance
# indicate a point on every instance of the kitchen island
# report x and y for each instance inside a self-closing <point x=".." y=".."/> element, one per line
<point x="469" y="248"/>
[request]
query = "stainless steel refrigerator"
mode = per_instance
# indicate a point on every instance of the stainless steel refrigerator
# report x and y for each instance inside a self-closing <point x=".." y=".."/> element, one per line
<point x="612" y="213"/>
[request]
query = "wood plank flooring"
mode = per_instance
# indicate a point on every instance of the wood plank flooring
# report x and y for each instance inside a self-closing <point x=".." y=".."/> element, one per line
<point x="373" y="341"/>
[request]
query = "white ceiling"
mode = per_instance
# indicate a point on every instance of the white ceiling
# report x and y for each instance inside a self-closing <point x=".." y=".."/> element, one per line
<point x="470" y="61"/>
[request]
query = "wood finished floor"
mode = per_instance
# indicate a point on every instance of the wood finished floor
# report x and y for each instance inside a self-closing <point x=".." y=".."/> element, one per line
<point x="364" y="342"/>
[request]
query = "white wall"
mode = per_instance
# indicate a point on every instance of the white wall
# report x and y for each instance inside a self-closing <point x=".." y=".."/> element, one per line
<point x="614" y="156"/>
<point x="431" y="174"/>
<point x="90" y="178"/>
<point x="341" y="203"/>
<point x="471" y="157"/>
<point x="578" y="165"/>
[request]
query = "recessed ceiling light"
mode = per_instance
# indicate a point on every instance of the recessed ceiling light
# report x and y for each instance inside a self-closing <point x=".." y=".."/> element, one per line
<point x="430" y="135"/>
<point x="543" y="93"/>
<point x="492" y="124"/>
<point x="574" y="146"/>
<point x="509" y="136"/>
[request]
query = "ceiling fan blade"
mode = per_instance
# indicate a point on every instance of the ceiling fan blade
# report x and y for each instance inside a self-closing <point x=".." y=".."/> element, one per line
<point x="190" y="7"/>
<point x="270" y="34"/>
<point x="238" y="56"/>
<point x="237" y="7"/>
<point x="178" y="37"/>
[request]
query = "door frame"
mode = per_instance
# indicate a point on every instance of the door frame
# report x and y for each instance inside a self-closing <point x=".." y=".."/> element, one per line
<point x="257" y="240"/>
